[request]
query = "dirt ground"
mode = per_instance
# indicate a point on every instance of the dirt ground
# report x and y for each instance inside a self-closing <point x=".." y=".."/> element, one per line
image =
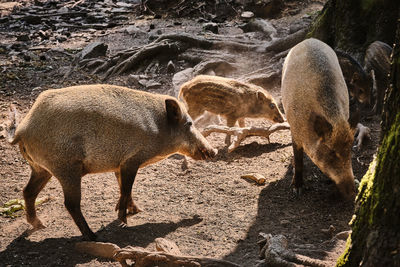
<point x="207" y="210"/>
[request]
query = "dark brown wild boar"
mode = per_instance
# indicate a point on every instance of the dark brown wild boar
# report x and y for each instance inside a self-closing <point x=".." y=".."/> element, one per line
<point x="377" y="62"/>
<point x="85" y="129"/>
<point x="229" y="98"/>
<point x="316" y="102"/>
<point x="358" y="82"/>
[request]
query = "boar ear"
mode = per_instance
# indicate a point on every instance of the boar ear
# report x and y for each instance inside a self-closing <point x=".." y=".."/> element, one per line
<point x="173" y="111"/>
<point x="321" y="126"/>
<point x="261" y="95"/>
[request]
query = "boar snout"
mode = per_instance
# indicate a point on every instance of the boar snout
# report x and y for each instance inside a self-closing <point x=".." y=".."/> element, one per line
<point x="347" y="188"/>
<point x="279" y="119"/>
<point x="202" y="153"/>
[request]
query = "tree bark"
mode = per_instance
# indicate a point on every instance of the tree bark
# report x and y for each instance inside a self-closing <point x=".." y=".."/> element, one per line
<point x="351" y="25"/>
<point x="375" y="238"/>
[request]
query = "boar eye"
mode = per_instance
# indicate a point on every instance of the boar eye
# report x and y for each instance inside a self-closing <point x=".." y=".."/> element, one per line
<point x="272" y="105"/>
<point x="189" y="123"/>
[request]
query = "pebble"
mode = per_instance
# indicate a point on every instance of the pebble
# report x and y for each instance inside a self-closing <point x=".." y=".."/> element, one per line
<point x="247" y="15"/>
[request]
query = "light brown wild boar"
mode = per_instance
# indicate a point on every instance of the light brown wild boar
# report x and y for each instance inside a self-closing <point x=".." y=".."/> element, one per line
<point x="85" y="129"/>
<point x="316" y="102"/>
<point x="229" y="98"/>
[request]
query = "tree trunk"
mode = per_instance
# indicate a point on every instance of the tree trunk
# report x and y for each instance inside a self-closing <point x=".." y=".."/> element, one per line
<point x="351" y="25"/>
<point x="375" y="238"/>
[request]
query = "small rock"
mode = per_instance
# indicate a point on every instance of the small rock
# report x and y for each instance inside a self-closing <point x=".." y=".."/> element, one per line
<point x="210" y="72"/>
<point x="170" y="67"/>
<point x="181" y="77"/>
<point x="133" y="80"/>
<point x="153" y="84"/>
<point x="261" y="25"/>
<point x="62" y="38"/>
<point x="211" y="26"/>
<point x="96" y="49"/>
<point x="143" y="82"/>
<point x="330" y="230"/>
<point x="44" y="34"/>
<point x="247" y="15"/>
<point x="132" y="29"/>
<point x="63" y="9"/>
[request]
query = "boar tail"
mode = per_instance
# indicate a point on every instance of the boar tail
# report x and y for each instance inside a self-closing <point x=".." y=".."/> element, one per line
<point x="13" y="118"/>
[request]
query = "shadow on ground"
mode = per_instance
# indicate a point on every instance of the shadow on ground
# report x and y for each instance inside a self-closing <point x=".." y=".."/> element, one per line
<point x="23" y="251"/>
<point x="300" y="219"/>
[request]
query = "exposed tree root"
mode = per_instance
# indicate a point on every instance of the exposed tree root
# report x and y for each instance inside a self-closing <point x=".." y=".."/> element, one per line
<point x="147" y="52"/>
<point x="242" y="133"/>
<point x="286" y="43"/>
<point x="170" y="46"/>
<point x="168" y="255"/>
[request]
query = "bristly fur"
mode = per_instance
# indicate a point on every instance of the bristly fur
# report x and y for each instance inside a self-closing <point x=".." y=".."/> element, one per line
<point x="13" y="117"/>
<point x="353" y="61"/>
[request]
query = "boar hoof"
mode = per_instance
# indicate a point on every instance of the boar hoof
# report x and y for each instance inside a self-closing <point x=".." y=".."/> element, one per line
<point x="90" y="237"/>
<point x="133" y="209"/>
<point x="37" y="224"/>
<point x="297" y="192"/>
<point x="34" y="229"/>
<point x="185" y="164"/>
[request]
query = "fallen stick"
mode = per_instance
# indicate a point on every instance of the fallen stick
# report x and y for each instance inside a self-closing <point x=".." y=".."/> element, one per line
<point x="275" y="252"/>
<point x="145" y="258"/>
<point x="242" y="133"/>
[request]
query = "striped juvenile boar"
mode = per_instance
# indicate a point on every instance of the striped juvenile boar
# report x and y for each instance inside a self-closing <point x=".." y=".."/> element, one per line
<point x="85" y="129"/>
<point x="229" y="98"/>
<point x="316" y="102"/>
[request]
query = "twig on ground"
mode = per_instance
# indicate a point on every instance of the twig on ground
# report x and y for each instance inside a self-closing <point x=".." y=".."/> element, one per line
<point x="242" y="133"/>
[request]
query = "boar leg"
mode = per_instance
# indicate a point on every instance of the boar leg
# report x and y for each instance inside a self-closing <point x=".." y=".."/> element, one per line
<point x="132" y="207"/>
<point x="241" y="122"/>
<point x="230" y="122"/>
<point x="297" y="180"/>
<point x="38" y="180"/>
<point x="128" y="173"/>
<point x="71" y="185"/>
<point x="380" y="94"/>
